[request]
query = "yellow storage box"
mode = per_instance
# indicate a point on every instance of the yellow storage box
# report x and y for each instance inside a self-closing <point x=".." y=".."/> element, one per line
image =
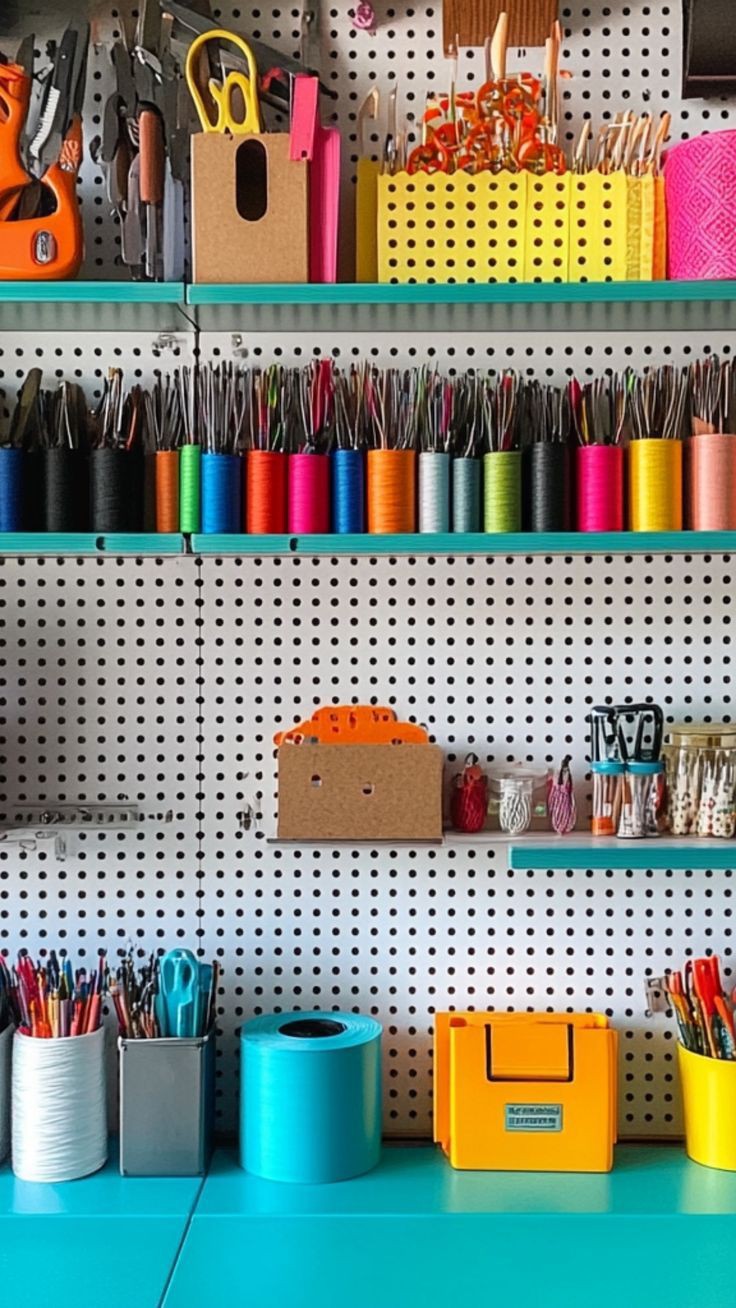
<point x="530" y="1092"/>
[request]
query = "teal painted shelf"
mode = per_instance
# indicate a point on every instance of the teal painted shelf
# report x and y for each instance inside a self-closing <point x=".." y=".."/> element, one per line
<point x="493" y="293"/>
<point x="92" y="292"/>
<point x="585" y="851"/>
<point x="416" y="1233"/>
<point x="564" y="542"/>
<point x="88" y="543"/>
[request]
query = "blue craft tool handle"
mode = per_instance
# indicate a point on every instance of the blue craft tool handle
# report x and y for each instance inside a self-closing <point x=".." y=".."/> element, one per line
<point x="179" y="990"/>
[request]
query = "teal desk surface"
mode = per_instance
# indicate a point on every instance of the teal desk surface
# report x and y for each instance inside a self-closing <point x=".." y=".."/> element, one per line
<point x="106" y="1239"/>
<point x="655" y="1233"/>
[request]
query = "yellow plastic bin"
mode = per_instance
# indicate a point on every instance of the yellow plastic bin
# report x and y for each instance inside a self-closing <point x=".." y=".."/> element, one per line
<point x="709" y="1100"/>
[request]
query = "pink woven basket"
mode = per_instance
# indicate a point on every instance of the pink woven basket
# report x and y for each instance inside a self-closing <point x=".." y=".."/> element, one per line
<point x="700" y="181"/>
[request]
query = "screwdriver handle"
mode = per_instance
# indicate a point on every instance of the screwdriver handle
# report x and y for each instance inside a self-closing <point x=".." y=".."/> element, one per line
<point x="151" y="138"/>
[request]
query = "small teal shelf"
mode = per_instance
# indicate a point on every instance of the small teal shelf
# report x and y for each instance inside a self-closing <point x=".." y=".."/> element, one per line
<point x="22" y="542"/>
<point x="584" y="851"/>
<point x="73" y="292"/>
<point x="441" y="293"/>
<point x="564" y="542"/>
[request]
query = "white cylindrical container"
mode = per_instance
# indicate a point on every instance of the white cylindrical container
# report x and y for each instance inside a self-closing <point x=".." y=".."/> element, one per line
<point x="59" y="1118"/>
<point x="6" y="1044"/>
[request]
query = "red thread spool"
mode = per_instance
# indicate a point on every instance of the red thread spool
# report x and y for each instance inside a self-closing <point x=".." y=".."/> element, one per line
<point x="265" y="492"/>
<point x="309" y="494"/>
<point x="600" y="488"/>
<point x="711" y="482"/>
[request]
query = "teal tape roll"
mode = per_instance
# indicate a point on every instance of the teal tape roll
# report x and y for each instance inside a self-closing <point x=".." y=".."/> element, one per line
<point x="310" y="1096"/>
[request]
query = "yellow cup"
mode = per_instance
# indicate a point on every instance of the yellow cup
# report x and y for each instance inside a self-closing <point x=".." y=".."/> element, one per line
<point x="655" y="485"/>
<point x="709" y="1100"/>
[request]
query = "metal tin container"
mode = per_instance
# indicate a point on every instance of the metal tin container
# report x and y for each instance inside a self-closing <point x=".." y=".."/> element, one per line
<point x="167" y="1100"/>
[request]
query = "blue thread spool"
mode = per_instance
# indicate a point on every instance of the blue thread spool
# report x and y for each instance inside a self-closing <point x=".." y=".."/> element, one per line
<point x="11" y="489"/>
<point x="466" y="494"/>
<point x="348" y="492"/>
<point x="222" y="485"/>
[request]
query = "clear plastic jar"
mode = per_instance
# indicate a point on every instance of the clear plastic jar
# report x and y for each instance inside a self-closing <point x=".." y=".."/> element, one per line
<point x="717" y="806"/>
<point x="515" y="804"/>
<point x="637" y="817"/>
<point x="684" y="770"/>
<point x="607" y="795"/>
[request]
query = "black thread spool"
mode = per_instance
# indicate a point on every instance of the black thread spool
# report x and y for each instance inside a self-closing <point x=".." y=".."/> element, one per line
<point x="115" y="491"/>
<point x="33" y="490"/>
<point x="547" y="487"/>
<point x="65" y="490"/>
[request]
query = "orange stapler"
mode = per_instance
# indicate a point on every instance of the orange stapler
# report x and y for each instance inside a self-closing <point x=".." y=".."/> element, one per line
<point x="41" y="234"/>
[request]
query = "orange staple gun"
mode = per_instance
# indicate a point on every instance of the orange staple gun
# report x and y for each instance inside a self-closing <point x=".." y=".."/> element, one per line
<point x="40" y="223"/>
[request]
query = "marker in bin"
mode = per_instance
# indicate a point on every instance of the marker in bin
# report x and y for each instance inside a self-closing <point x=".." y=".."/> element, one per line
<point x="171" y="996"/>
<point x="49" y="999"/>
<point x="704" y="1015"/>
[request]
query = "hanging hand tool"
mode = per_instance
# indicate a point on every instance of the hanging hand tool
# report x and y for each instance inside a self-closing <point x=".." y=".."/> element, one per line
<point x="152" y="175"/>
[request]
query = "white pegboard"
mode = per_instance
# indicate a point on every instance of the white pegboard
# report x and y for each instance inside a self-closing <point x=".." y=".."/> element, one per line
<point x="620" y="57"/>
<point x="501" y="656"/>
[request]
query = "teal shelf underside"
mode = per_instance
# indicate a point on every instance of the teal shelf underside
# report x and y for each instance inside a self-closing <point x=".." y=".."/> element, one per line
<point x="567" y="542"/>
<point x="587" y="852"/>
<point x="92" y="292"/>
<point x="88" y="543"/>
<point x="494" y="293"/>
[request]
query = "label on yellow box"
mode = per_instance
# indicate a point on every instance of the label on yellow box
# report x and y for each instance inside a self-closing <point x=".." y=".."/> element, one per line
<point x="533" y="1117"/>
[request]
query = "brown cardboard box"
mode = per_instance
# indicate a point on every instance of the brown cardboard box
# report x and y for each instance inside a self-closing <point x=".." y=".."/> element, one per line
<point x="473" y="20"/>
<point x="360" y="792"/>
<point x="268" y="246"/>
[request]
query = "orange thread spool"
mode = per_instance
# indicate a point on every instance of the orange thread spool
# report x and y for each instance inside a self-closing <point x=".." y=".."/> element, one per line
<point x="392" y="491"/>
<point x="167" y="490"/>
<point x="265" y="492"/>
<point x="711" y="481"/>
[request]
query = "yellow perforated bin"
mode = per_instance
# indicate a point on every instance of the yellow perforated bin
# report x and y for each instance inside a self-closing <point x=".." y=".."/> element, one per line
<point x="598" y="227"/>
<point x="461" y="228"/>
<point x="547" y="249"/>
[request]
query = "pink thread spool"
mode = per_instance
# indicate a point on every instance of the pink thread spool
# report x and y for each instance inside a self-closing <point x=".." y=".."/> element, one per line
<point x="711" y="482"/>
<point x="700" y="185"/>
<point x="309" y="494"/>
<point x="600" y="488"/>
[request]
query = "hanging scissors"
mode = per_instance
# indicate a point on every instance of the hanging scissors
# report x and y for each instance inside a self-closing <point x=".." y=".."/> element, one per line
<point x="226" y="95"/>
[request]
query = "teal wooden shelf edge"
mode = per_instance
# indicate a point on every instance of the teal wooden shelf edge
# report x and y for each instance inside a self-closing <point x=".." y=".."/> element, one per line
<point x="493" y="293"/>
<point x="92" y="292"/>
<point x="22" y="542"/>
<point x="564" y="542"/>
<point x="577" y="852"/>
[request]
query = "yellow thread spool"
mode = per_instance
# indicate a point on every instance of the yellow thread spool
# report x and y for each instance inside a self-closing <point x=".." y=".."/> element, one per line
<point x="709" y="1100"/>
<point x="655" y="485"/>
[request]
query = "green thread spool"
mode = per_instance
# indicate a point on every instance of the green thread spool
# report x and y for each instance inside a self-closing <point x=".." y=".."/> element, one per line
<point x="502" y="491"/>
<point x="189" y="474"/>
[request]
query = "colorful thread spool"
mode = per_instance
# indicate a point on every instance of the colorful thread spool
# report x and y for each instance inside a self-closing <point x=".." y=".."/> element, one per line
<point x="265" y="492"/>
<point x="710" y="467"/>
<point x="391" y="492"/>
<point x="309" y="494"/>
<point x="600" y="488"/>
<point x="502" y="491"/>
<point x="222" y="481"/>
<point x="546" y="488"/>
<point x="655" y="485"/>
<point x="65" y="490"/>
<point x="348" y="492"/>
<point x="190" y="457"/>
<point x="11" y="489"/>
<point x="166" y="475"/>
<point x="115" y="490"/>
<point x="466" y="479"/>
<point x="33" y="515"/>
<point x="434" y="491"/>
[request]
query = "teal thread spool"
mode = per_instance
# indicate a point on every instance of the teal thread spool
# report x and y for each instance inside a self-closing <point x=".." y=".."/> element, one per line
<point x="502" y="491"/>
<point x="466" y="481"/>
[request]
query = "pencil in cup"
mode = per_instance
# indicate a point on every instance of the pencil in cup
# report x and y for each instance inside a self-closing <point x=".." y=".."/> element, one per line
<point x="391" y="479"/>
<point x="655" y="485"/>
<point x="709" y="1104"/>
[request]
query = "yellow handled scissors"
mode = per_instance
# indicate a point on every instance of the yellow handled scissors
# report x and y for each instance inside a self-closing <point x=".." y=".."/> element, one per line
<point x="222" y="92"/>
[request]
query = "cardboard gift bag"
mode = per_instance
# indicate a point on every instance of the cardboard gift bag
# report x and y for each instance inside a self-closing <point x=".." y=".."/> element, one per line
<point x="249" y="209"/>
